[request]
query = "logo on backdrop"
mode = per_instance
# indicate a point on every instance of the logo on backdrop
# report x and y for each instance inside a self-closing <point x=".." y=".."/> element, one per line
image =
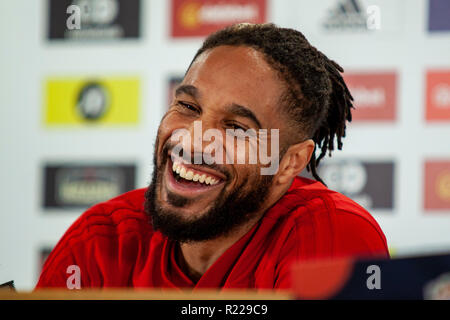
<point x="438" y="15"/>
<point x="195" y="18"/>
<point x="438" y="95"/>
<point x="437" y="185"/>
<point x="370" y="184"/>
<point x="93" y="19"/>
<point x="375" y="95"/>
<point x="78" y="101"/>
<point x="93" y="101"/>
<point x="352" y="15"/>
<point x="85" y="185"/>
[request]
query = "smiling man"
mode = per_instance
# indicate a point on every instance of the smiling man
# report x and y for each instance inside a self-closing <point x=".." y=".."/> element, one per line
<point x="213" y="216"/>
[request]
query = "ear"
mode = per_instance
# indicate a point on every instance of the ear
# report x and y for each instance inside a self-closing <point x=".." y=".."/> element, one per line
<point x="294" y="161"/>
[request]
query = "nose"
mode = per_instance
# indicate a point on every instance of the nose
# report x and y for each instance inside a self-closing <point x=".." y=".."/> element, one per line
<point x="207" y="142"/>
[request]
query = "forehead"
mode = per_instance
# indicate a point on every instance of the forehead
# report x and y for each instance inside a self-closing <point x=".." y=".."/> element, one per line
<point x="229" y="74"/>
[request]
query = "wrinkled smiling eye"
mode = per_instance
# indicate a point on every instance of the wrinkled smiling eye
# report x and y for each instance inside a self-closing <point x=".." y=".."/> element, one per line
<point x="239" y="132"/>
<point x="235" y="126"/>
<point x="188" y="106"/>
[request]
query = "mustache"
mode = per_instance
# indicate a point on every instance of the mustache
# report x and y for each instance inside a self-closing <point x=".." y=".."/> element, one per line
<point x="198" y="158"/>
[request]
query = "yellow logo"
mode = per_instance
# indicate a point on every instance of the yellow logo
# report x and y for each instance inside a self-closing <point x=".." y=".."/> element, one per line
<point x="189" y="15"/>
<point x="443" y="186"/>
<point x="77" y="101"/>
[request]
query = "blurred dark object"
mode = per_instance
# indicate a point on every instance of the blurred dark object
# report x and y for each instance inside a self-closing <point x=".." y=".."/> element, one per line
<point x="419" y="277"/>
<point x="8" y="286"/>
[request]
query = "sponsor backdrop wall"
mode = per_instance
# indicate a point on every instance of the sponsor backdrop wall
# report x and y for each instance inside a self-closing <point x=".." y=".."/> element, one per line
<point x="80" y="107"/>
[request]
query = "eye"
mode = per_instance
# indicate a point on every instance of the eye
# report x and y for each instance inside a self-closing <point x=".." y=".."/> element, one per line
<point x="188" y="106"/>
<point x="236" y="126"/>
<point x="240" y="131"/>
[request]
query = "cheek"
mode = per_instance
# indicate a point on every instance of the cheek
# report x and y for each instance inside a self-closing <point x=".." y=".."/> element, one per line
<point x="168" y="125"/>
<point x="246" y="175"/>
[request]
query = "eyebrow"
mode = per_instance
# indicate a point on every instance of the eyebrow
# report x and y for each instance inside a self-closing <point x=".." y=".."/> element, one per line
<point x="242" y="111"/>
<point x="234" y="108"/>
<point x="187" y="89"/>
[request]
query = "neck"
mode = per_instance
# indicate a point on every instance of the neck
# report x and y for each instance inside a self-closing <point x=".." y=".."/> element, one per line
<point x="195" y="258"/>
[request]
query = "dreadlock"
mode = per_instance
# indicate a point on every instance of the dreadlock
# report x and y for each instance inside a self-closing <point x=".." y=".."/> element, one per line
<point x="317" y="100"/>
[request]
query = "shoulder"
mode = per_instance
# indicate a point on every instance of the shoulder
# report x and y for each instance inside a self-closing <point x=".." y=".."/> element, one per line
<point x="103" y="242"/>
<point x="329" y="223"/>
<point x="107" y="223"/>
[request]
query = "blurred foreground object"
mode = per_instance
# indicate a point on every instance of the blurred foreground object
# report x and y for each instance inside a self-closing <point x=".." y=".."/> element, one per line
<point x="424" y="277"/>
<point x="144" y="294"/>
<point x="8" y="286"/>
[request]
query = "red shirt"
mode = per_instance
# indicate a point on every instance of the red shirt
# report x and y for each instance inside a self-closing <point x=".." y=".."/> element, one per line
<point x="114" y="245"/>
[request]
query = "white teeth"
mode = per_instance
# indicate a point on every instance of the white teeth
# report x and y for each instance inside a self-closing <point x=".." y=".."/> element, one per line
<point x="190" y="175"/>
<point x="183" y="172"/>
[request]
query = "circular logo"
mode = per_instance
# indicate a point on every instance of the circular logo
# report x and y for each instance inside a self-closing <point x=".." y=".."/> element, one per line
<point x="189" y="15"/>
<point x="93" y="101"/>
<point x="346" y="177"/>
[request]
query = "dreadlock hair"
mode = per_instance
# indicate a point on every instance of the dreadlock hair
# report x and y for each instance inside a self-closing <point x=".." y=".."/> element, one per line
<point x="317" y="101"/>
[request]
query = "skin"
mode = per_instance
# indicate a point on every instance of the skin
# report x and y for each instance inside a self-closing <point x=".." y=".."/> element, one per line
<point x="224" y="76"/>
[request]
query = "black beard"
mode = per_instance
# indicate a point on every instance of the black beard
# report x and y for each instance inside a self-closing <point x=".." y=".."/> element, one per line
<point x="227" y="212"/>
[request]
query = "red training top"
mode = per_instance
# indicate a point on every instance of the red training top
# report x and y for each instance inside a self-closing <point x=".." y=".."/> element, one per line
<point x="114" y="245"/>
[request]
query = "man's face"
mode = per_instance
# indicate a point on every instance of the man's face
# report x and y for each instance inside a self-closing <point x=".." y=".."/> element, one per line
<point x="226" y="88"/>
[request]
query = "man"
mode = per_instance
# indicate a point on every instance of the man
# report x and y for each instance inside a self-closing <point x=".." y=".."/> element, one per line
<point x="209" y="220"/>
